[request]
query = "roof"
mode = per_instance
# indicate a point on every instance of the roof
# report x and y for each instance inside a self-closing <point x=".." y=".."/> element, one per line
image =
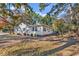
<point x="46" y="26"/>
<point x="3" y="21"/>
<point x="38" y="25"/>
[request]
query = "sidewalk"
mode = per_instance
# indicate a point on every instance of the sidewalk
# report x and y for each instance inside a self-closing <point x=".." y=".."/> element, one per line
<point x="2" y="33"/>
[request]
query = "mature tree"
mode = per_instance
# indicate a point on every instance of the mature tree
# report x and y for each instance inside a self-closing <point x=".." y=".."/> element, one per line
<point x="16" y="16"/>
<point x="58" y="25"/>
<point x="55" y="10"/>
<point x="72" y="11"/>
<point x="48" y="20"/>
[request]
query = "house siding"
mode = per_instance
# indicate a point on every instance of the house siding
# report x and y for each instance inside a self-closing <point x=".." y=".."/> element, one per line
<point x="38" y="30"/>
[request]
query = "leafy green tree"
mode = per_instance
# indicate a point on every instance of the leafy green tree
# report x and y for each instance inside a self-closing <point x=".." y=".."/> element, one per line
<point x="58" y="25"/>
<point x="72" y="10"/>
<point x="16" y="17"/>
<point x="48" y="20"/>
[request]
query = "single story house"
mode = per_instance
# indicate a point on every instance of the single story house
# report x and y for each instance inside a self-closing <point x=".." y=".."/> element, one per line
<point x="33" y="30"/>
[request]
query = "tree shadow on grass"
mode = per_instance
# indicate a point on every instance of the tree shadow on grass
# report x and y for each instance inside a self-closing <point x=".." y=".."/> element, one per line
<point x="70" y="42"/>
<point x="23" y="52"/>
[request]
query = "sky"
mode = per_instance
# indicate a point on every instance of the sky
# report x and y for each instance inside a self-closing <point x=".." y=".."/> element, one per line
<point x="35" y="7"/>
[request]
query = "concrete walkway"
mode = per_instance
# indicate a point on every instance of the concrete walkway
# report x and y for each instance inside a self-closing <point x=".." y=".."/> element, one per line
<point x="2" y="33"/>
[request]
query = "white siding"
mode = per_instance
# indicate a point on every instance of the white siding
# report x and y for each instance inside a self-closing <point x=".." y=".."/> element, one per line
<point x="29" y="31"/>
<point x="20" y="28"/>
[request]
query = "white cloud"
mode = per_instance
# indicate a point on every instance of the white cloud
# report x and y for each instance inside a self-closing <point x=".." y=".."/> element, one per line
<point x="41" y="14"/>
<point x="12" y="8"/>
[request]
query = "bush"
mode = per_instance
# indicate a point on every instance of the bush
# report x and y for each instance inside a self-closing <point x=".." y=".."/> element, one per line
<point x="5" y="30"/>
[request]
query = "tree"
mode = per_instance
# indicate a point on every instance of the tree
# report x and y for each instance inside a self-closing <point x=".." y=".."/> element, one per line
<point x="16" y="17"/>
<point x="58" y="7"/>
<point x="36" y="18"/>
<point x="48" y="20"/>
<point x="72" y="11"/>
<point x="58" y="26"/>
<point x="25" y="17"/>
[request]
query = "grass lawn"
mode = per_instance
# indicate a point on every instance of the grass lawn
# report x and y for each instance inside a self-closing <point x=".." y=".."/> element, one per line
<point x="29" y="47"/>
<point x="36" y="47"/>
<point x="26" y="47"/>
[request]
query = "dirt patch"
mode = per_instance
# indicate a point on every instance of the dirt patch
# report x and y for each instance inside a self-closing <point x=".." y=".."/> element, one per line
<point x="6" y="43"/>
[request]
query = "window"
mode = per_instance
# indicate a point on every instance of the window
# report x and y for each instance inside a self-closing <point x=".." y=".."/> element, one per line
<point x="18" y="29"/>
<point x="34" y="29"/>
<point x="23" y="29"/>
<point x="44" y="29"/>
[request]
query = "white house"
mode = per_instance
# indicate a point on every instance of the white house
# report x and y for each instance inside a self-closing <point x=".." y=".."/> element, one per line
<point x="33" y="30"/>
<point x="20" y="29"/>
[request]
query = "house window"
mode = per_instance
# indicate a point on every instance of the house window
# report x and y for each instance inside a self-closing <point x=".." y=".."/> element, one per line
<point x="34" y="29"/>
<point x="44" y="29"/>
<point x="17" y="29"/>
<point x="23" y="29"/>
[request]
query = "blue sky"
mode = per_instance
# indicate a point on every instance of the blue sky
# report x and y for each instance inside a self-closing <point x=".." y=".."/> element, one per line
<point x="35" y="7"/>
